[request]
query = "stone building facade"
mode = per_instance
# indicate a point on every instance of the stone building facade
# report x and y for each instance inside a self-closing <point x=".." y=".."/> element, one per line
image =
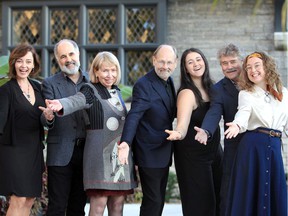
<point x="201" y="24"/>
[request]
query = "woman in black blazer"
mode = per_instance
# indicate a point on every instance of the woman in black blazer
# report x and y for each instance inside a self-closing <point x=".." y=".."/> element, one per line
<point x="21" y="132"/>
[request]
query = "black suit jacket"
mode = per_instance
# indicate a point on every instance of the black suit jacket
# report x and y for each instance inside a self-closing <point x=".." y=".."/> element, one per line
<point x="150" y="114"/>
<point x="224" y="102"/>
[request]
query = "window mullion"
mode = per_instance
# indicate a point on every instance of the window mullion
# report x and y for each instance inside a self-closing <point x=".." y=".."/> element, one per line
<point x="45" y="33"/>
<point x="121" y="27"/>
<point x="83" y="35"/>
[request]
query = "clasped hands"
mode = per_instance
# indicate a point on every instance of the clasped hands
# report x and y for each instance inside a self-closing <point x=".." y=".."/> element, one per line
<point x="51" y="107"/>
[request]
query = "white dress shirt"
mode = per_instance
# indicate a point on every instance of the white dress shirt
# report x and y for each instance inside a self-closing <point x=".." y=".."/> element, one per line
<point x="254" y="111"/>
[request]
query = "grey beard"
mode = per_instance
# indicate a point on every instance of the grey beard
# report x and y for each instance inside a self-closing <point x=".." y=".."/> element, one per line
<point x="70" y="71"/>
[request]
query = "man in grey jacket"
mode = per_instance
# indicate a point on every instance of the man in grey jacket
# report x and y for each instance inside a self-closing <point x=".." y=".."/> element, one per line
<point x="66" y="138"/>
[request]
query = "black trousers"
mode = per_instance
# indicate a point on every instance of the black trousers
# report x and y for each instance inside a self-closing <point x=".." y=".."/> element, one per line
<point x="153" y="183"/>
<point x="65" y="187"/>
<point x="230" y="150"/>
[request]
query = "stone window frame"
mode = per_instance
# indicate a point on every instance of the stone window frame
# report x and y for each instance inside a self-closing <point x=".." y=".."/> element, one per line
<point x="281" y="25"/>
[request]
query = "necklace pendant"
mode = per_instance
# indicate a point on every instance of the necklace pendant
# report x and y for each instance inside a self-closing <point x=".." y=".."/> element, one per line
<point x="267" y="98"/>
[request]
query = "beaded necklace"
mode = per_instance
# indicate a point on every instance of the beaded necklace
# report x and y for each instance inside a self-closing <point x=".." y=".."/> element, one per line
<point x="27" y="95"/>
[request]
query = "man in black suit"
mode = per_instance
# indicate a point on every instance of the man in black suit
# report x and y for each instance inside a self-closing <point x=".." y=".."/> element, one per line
<point x="152" y="111"/>
<point x="224" y="103"/>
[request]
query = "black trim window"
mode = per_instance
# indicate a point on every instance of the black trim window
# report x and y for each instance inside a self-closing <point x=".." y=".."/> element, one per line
<point x="130" y="29"/>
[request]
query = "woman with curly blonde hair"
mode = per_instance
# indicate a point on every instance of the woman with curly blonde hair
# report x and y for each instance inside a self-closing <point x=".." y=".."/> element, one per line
<point x="272" y="76"/>
<point x="258" y="184"/>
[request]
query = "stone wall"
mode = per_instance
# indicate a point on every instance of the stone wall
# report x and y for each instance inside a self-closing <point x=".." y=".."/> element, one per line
<point x="207" y="27"/>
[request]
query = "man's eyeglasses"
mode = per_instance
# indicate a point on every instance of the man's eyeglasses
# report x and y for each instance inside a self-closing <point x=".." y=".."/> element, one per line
<point x="162" y="63"/>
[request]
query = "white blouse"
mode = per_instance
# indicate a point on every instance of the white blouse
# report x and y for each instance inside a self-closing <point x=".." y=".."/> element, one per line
<point x="254" y="111"/>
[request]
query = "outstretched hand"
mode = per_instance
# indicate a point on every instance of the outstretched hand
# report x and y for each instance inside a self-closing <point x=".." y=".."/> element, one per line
<point x="201" y="135"/>
<point x="123" y="153"/>
<point x="232" y="131"/>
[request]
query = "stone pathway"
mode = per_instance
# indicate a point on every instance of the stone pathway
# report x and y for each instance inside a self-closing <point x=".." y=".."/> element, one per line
<point x="133" y="210"/>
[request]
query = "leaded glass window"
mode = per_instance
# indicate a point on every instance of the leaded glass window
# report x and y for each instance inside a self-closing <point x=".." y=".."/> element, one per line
<point x="126" y="28"/>
<point x="139" y="62"/>
<point x="53" y="63"/>
<point x="26" y="26"/>
<point x="102" y="25"/>
<point x="140" y="25"/>
<point x="64" y="23"/>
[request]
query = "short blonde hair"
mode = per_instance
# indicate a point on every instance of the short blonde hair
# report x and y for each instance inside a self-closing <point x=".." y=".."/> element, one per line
<point x="99" y="59"/>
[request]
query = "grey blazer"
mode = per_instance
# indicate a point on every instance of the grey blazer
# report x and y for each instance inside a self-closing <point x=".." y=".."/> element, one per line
<point x="61" y="137"/>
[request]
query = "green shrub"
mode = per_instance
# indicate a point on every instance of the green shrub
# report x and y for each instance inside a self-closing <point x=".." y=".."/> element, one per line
<point x="4" y="67"/>
<point x="172" y="191"/>
<point x="126" y="92"/>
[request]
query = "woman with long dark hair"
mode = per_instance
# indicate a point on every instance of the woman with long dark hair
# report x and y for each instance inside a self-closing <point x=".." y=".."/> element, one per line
<point x="198" y="166"/>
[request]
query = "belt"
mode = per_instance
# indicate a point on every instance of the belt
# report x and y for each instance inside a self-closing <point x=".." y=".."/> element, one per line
<point x="80" y="142"/>
<point x="271" y="133"/>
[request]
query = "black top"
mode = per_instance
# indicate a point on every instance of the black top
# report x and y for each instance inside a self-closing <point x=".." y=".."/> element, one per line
<point x="21" y="159"/>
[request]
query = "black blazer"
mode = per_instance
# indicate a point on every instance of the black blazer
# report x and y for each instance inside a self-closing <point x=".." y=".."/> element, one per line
<point x="7" y="123"/>
<point x="150" y="114"/>
<point x="224" y="102"/>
